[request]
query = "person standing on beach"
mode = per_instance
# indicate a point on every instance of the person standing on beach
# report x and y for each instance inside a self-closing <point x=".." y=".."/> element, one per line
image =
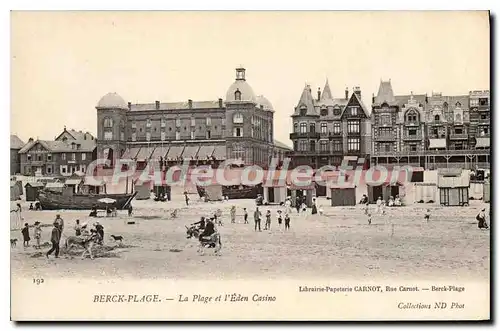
<point x="245" y="216"/>
<point x="26" y="235"/>
<point x="38" y="234"/>
<point x="55" y="238"/>
<point x="186" y="198"/>
<point x="379" y="205"/>
<point x="287" y="221"/>
<point x="298" y="203"/>
<point x="60" y="223"/>
<point x="256" y="215"/>
<point x="268" y="220"/>
<point x="280" y="218"/>
<point x="78" y="228"/>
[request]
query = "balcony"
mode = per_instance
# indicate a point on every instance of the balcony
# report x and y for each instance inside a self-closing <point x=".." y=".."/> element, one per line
<point x="485" y="121"/>
<point x="436" y="123"/>
<point x="304" y="135"/>
<point x="334" y="134"/>
<point x="385" y="137"/>
<point x="412" y="124"/>
<point x="459" y="136"/>
<point x="412" y="137"/>
<point x="483" y="135"/>
<point x="449" y="152"/>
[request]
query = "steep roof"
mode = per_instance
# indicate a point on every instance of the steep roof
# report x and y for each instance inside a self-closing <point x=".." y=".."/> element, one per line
<point x="176" y="105"/>
<point x="57" y="146"/>
<point x="356" y="98"/>
<point x="327" y="93"/>
<point x="16" y="142"/>
<point x="402" y="100"/>
<point x="307" y="101"/>
<point x="385" y="94"/>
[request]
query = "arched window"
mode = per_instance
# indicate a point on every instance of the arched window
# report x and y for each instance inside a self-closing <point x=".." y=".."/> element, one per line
<point x="411" y="116"/>
<point x="237" y="95"/>
<point x="303" y="127"/>
<point x="108" y="122"/>
<point x="436" y="118"/>
<point x="445" y="106"/>
<point x="295" y="127"/>
<point x="458" y="104"/>
<point x="312" y="127"/>
<point x="238" y="118"/>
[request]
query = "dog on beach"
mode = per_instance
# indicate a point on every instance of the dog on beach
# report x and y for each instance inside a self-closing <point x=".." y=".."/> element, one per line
<point x="117" y="238"/>
<point x="13" y="243"/>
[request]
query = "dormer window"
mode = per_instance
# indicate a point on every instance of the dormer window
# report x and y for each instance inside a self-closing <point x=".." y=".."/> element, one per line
<point x="436" y="118"/>
<point x="108" y="122"/>
<point x="354" y="111"/>
<point x="458" y="104"/>
<point x="238" y="118"/>
<point x="324" y="112"/>
<point x="303" y="110"/>
<point x="337" y="111"/>
<point x="445" y="106"/>
<point x="237" y="95"/>
<point x="411" y="116"/>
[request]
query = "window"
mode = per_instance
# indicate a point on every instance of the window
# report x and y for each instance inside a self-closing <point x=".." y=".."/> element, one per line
<point x="336" y="128"/>
<point x="303" y="127"/>
<point x="84" y="156"/>
<point x="459" y="146"/>
<point x="458" y="104"/>
<point x="148" y="136"/>
<point x="209" y="134"/>
<point x="445" y="106"/>
<point x="337" y="111"/>
<point x="122" y="135"/>
<point x="238" y="132"/>
<point x="148" y="123"/>
<point x="192" y="135"/>
<point x="63" y="156"/>
<point x="295" y="146"/>
<point x="436" y="118"/>
<point x="49" y="157"/>
<point x="73" y="156"/>
<point x="324" y="128"/>
<point x="353" y="127"/>
<point x="312" y="145"/>
<point x="474" y="102"/>
<point x="238" y="118"/>
<point x="411" y="116"/>
<point x="28" y="157"/>
<point x="163" y="123"/>
<point x="177" y="135"/>
<point x="385" y="119"/>
<point x="295" y="127"/>
<point x="108" y="135"/>
<point x="387" y="147"/>
<point x="324" y="112"/>
<point x="458" y="118"/>
<point x="353" y="144"/>
<point x="303" y="145"/>
<point x="108" y="122"/>
<point x="39" y="157"/>
<point x="483" y="117"/>
<point x="337" y="145"/>
<point x="354" y="111"/>
<point x="458" y="130"/>
<point x="385" y="131"/>
<point x="63" y="169"/>
<point x="193" y="121"/>
<point x="237" y="95"/>
<point x="412" y="132"/>
<point x="312" y="127"/>
<point x="483" y="101"/>
<point x="303" y="110"/>
<point x="134" y="125"/>
<point x="323" y="145"/>
<point x="162" y="135"/>
<point x="413" y="148"/>
<point x="209" y="121"/>
<point x="134" y="136"/>
<point x="49" y="169"/>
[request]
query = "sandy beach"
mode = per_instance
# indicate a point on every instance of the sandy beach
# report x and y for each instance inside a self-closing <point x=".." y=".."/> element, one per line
<point x="337" y="244"/>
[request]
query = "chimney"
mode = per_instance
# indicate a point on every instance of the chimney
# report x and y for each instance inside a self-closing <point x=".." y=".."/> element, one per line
<point x="357" y="90"/>
<point x="373" y="97"/>
<point x="220" y="103"/>
<point x="129" y="105"/>
<point x="190" y="103"/>
<point x="30" y="140"/>
<point x="346" y="93"/>
<point x="319" y="93"/>
<point x="157" y="103"/>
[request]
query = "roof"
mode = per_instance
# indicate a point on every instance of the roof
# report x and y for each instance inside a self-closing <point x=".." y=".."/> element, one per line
<point x="54" y="185"/>
<point x="34" y="184"/>
<point x="246" y="90"/>
<point x="112" y="101"/>
<point x="402" y="100"/>
<point x="306" y="101"/>
<point x="210" y="104"/>
<point x="281" y="145"/>
<point x="362" y="104"/>
<point x="73" y="181"/>
<point x="79" y="135"/>
<point x="265" y="103"/>
<point x="15" y="142"/>
<point x="452" y="178"/>
<point x="327" y="93"/>
<point x="385" y="94"/>
<point x="57" y="146"/>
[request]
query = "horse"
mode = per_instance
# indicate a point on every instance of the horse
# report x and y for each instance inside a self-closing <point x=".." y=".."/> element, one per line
<point x="213" y="241"/>
<point x="87" y="244"/>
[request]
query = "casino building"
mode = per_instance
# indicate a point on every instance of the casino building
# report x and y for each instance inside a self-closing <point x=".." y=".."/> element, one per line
<point x="240" y="127"/>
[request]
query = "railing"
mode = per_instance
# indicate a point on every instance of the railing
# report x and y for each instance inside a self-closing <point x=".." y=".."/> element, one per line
<point x="484" y="135"/>
<point x="484" y="121"/>
<point x="309" y="135"/>
<point x="436" y="123"/>
<point x="335" y="134"/>
<point x="448" y="152"/>
<point x="459" y="136"/>
<point x="457" y="165"/>
<point x="385" y="137"/>
<point x="407" y="136"/>
<point x="317" y="152"/>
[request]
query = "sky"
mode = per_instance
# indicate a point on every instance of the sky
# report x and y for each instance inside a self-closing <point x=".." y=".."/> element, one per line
<point x="62" y="63"/>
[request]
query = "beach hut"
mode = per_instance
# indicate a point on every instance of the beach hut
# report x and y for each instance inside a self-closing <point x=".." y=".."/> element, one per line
<point x="15" y="192"/>
<point x="32" y="190"/>
<point x="73" y="183"/>
<point x="425" y="192"/>
<point x="453" y="185"/>
<point x="307" y="191"/>
<point x="54" y="187"/>
<point x="274" y="192"/>
<point x="342" y="194"/>
<point x="486" y="191"/>
<point x="385" y="190"/>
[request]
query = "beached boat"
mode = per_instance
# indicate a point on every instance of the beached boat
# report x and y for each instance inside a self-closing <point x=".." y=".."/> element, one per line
<point x="50" y="200"/>
<point x="235" y="192"/>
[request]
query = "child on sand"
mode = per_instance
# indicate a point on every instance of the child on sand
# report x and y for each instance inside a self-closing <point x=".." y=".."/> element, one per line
<point x="427" y="215"/>
<point x="26" y="235"/>
<point x="38" y="234"/>
<point x="280" y="218"/>
<point x="245" y="215"/>
<point x="369" y="219"/>
<point x="287" y="221"/>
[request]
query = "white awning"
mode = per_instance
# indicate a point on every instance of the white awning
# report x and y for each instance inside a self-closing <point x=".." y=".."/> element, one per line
<point x="437" y="143"/>
<point x="482" y="142"/>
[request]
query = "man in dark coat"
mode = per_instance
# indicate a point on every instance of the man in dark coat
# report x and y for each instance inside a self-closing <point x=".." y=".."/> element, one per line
<point x="54" y="239"/>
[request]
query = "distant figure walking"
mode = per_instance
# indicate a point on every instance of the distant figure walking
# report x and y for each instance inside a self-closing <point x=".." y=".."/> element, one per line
<point x="26" y="235"/>
<point x="186" y="198"/>
<point x="287" y="221"/>
<point x="427" y="215"/>
<point x="369" y="219"/>
<point x="245" y="215"/>
<point x="298" y="203"/>
<point x="314" y="209"/>
<point x="59" y="222"/>
<point x="130" y="209"/>
<point x="55" y="238"/>
<point x="379" y="205"/>
<point x="280" y="218"/>
<point x="268" y="220"/>
<point x="256" y="215"/>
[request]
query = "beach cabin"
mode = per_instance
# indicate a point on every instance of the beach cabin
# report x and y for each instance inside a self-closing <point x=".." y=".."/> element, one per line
<point x="32" y="190"/>
<point x="274" y="192"/>
<point x="55" y="187"/>
<point x="425" y="192"/>
<point x="307" y="191"/>
<point x="15" y="192"/>
<point x="74" y="184"/>
<point x="486" y="191"/>
<point x="384" y="190"/>
<point x="342" y="194"/>
<point x="164" y="190"/>
<point x="453" y="185"/>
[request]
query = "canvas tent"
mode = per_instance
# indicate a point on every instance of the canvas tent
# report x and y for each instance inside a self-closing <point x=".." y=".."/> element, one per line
<point x="453" y="185"/>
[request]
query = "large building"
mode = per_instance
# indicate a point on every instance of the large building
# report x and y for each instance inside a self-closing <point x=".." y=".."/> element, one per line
<point x="431" y="131"/>
<point x="16" y="144"/>
<point x="327" y="130"/>
<point x="238" y="127"/>
<point x="71" y="151"/>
